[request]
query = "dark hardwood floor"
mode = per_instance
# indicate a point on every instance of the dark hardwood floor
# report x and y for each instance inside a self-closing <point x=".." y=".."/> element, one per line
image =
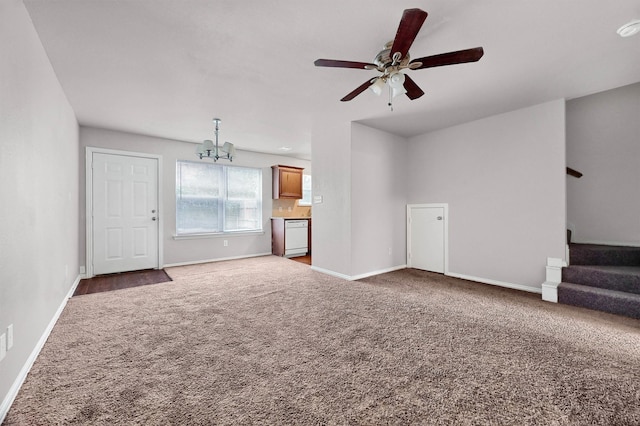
<point x="121" y="280"/>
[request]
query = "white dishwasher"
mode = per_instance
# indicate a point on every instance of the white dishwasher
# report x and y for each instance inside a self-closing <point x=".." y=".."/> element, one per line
<point x="296" y="234"/>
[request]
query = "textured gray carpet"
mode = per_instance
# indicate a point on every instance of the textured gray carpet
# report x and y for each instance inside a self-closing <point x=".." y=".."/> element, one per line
<point x="268" y="341"/>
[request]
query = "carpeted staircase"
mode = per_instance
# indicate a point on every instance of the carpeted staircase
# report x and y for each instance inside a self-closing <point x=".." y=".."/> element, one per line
<point x="605" y="278"/>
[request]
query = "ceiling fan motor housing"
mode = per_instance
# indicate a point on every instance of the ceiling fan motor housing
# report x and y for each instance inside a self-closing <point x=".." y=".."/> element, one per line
<point x="384" y="59"/>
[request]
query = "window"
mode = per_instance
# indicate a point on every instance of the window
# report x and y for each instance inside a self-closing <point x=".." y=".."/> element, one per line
<point x="212" y="198"/>
<point x="306" y="191"/>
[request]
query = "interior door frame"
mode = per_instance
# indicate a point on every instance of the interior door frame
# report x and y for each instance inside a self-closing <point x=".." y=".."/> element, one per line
<point x="445" y="207"/>
<point x="89" y="202"/>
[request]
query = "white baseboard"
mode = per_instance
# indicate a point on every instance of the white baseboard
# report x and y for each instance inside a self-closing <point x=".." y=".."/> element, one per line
<point x="332" y="273"/>
<point x="360" y="276"/>
<point x="381" y="271"/>
<point x="495" y="282"/>
<point x="196" y="262"/>
<point x="608" y="243"/>
<point x="550" y="291"/>
<point x="454" y="275"/>
<point x="17" y="384"/>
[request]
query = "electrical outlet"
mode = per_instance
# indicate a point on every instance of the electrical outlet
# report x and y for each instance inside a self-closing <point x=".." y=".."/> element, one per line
<point x="226" y="243"/>
<point x="3" y="346"/>
<point x="389" y="251"/>
<point x="10" y="337"/>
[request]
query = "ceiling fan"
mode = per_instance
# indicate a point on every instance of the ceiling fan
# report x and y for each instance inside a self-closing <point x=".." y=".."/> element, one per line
<point x="395" y="57"/>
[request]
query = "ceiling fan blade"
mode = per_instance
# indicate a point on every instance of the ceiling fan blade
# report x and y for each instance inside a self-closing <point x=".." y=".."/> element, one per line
<point x="413" y="91"/>
<point x="410" y="24"/>
<point x="344" y="64"/>
<point x="357" y="91"/>
<point x="451" y="58"/>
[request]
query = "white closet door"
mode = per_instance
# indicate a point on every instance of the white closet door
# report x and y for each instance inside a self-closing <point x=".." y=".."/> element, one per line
<point x="426" y="236"/>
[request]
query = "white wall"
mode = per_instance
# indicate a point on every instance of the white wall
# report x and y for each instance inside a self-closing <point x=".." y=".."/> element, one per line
<point x="378" y="200"/>
<point x="331" y="163"/>
<point x="39" y="193"/>
<point x="504" y="180"/>
<point x="187" y="250"/>
<point x="603" y="143"/>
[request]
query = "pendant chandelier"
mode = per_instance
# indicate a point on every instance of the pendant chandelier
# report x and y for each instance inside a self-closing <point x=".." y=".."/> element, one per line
<point x="207" y="149"/>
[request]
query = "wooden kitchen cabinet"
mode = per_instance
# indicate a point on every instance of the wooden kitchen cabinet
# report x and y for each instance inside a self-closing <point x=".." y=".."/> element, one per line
<point x="287" y="182"/>
<point x="277" y="237"/>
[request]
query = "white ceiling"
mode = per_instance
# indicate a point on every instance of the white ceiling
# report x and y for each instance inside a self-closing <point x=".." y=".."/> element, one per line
<point x="166" y="67"/>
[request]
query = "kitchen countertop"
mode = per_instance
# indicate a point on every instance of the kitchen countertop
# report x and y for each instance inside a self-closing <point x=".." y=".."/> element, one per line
<point x="291" y="218"/>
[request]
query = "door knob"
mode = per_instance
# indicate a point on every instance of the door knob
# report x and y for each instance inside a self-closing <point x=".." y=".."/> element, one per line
<point x="153" y="211"/>
<point x="153" y="218"/>
<point x="439" y="218"/>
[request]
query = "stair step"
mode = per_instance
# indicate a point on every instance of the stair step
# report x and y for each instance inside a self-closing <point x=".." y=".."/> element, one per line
<point x="600" y="299"/>
<point x="618" y="278"/>
<point x="595" y="254"/>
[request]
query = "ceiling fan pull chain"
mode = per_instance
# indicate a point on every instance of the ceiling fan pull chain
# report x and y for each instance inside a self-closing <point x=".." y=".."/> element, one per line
<point x="390" y="99"/>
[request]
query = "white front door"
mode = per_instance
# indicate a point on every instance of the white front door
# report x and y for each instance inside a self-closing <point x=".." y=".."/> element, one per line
<point x="125" y="213"/>
<point x="426" y="238"/>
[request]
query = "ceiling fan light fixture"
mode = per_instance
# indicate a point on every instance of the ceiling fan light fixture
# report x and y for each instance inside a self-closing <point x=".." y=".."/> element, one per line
<point x="377" y="86"/>
<point x="629" y="29"/>
<point x="397" y="91"/>
<point x="395" y="57"/>
<point x="396" y="80"/>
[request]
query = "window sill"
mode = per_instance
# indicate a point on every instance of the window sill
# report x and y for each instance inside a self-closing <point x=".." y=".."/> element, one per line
<point x="217" y="235"/>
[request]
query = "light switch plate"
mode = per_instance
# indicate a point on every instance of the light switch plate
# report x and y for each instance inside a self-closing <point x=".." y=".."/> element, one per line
<point x="317" y="199"/>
